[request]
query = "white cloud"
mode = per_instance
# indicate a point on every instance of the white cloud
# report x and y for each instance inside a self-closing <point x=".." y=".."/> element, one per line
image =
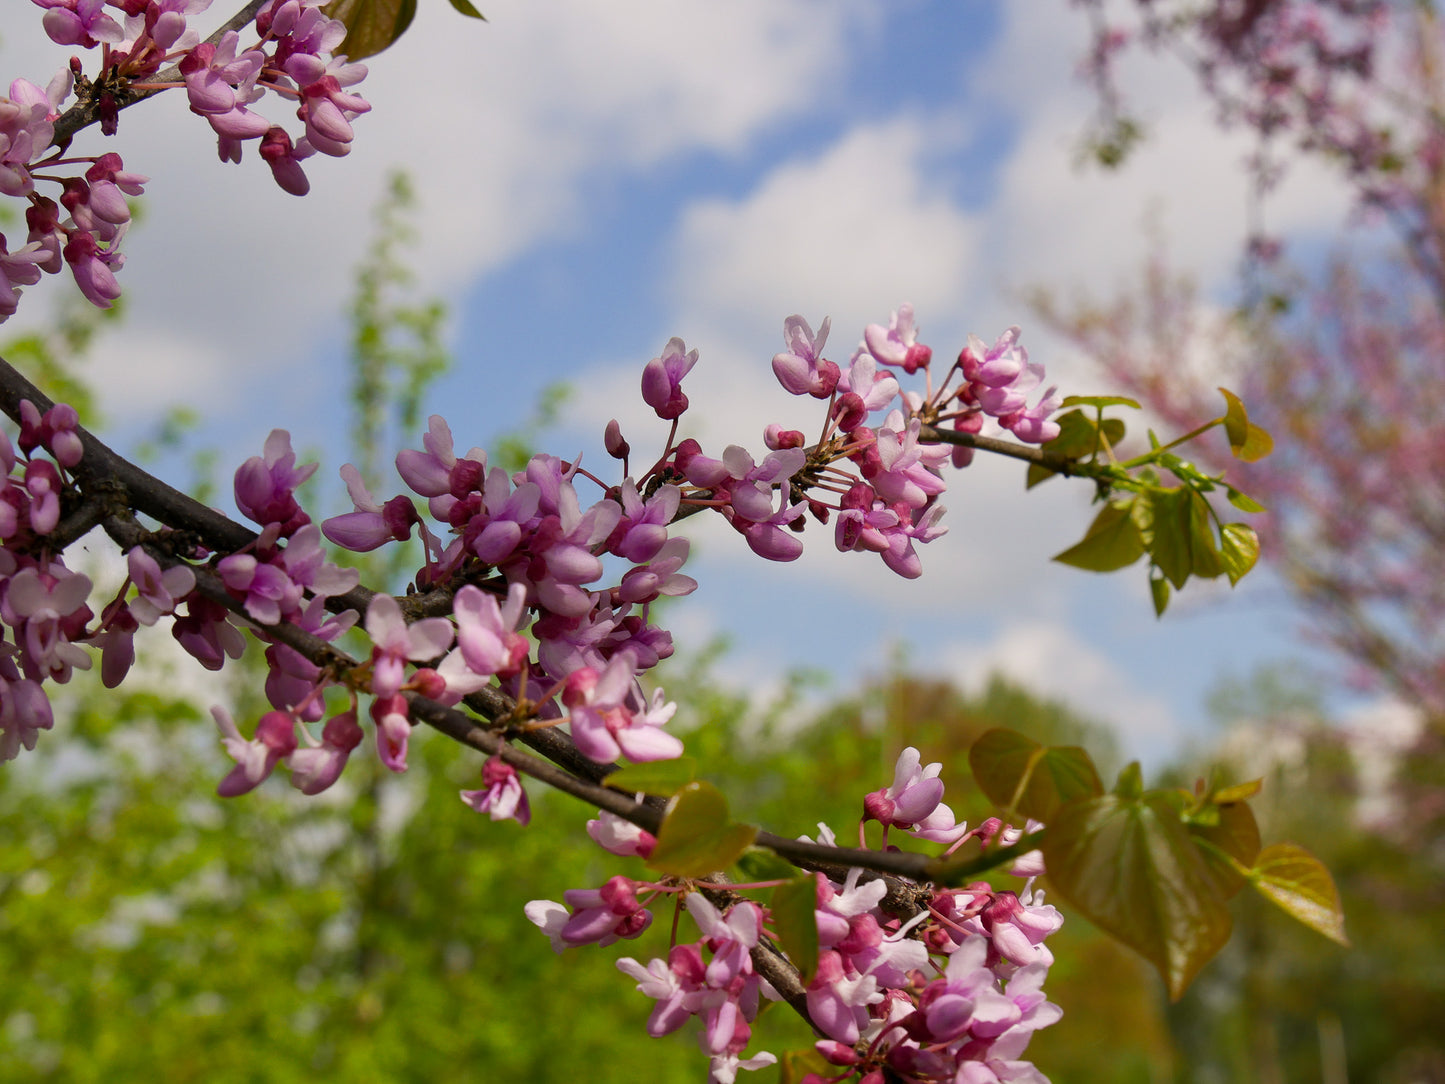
<point x="502" y="124"/>
<point x="850" y="233"/>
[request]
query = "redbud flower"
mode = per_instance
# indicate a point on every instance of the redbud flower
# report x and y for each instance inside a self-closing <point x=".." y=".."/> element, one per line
<point x="897" y="343"/>
<point x="662" y="379"/>
<point x="802" y="369"/>
<point x="316" y="767"/>
<point x="255" y="759"/>
<point x="502" y="797"/>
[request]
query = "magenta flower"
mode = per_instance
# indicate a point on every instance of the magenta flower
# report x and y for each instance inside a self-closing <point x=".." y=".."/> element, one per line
<point x="319" y="764"/>
<point x="662" y="379"/>
<point x="621" y="837"/>
<point x="255" y="759"/>
<point x="604" y="725"/>
<point x="502" y="796"/>
<point x="802" y="369"/>
<point x="160" y="592"/>
<point x="897" y="343"/>
<point x="397" y="643"/>
<point x="266" y="484"/>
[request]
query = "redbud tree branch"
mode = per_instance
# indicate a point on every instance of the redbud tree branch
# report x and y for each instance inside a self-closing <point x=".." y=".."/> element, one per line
<point x="88" y="110"/>
<point x="110" y="491"/>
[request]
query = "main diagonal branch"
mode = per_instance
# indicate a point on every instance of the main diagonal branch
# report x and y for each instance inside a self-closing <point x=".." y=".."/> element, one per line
<point x="112" y="491"/>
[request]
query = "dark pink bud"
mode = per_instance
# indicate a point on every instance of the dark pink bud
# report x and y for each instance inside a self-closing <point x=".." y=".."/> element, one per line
<point x="277" y="731"/>
<point x="342" y="731"/>
<point x="465" y="477"/>
<point x="777" y="438"/>
<point x="837" y="1053"/>
<point x="612" y="440"/>
<point x="620" y="895"/>
<point x="849" y="411"/>
<point x="878" y="807"/>
<point x="918" y="357"/>
<point x="429" y="683"/>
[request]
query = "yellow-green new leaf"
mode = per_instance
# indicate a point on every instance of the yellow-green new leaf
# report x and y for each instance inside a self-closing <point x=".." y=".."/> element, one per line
<point x="1298" y="882"/>
<point x="1246" y="440"/>
<point x="697" y="836"/>
<point x="1239" y="548"/>
<point x="1111" y="543"/>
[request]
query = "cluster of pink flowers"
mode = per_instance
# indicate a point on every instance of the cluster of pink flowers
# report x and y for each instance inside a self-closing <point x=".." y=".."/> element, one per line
<point x="891" y="503"/>
<point x="953" y="993"/>
<point x="43" y="604"/>
<point x="552" y="599"/>
<point x="83" y="227"/>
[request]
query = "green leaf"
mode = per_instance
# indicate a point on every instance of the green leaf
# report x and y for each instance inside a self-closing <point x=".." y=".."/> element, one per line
<point x="1299" y="883"/>
<point x="1017" y="773"/>
<point x="664" y="777"/>
<point x="466" y="9"/>
<point x="1246" y="440"/>
<point x="697" y="837"/>
<point x="761" y="864"/>
<point x="1159" y="592"/>
<point x="1235" y="833"/>
<point x="1112" y="541"/>
<point x="1130" y="784"/>
<point x="1243" y="501"/>
<point x="371" y="25"/>
<point x="1078" y="436"/>
<point x="1236" y="418"/>
<point x="1204" y="558"/>
<point x="1239" y="792"/>
<point x="1128" y="864"/>
<point x="1239" y="548"/>
<point x="1170" y="545"/>
<point x="1101" y="401"/>
<point x="794" y="906"/>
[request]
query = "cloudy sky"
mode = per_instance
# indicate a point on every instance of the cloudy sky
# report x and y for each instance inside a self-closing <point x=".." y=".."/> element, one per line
<point x="595" y="178"/>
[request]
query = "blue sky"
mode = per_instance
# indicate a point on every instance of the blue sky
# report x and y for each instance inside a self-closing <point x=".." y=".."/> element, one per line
<point x="597" y="178"/>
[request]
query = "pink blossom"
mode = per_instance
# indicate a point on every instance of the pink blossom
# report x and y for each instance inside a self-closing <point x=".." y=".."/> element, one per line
<point x="265" y="485"/>
<point x="502" y="796"/>
<point x="396" y="643"/>
<point x="319" y="764"/>
<point x="802" y="369"/>
<point x="605" y="726"/>
<point x="255" y="759"/>
<point x="897" y="343"/>
<point x="662" y="379"/>
<point x="621" y="837"/>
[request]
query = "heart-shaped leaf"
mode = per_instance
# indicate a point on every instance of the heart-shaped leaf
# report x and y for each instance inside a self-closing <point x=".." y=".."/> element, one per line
<point x="1246" y="440"/>
<point x="697" y="837"/>
<point x="1236" y="835"/>
<point x="1112" y="541"/>
<point x="1298" y="882"/>
<point x="1019" y="774"/>
<point x="1239" y="548"/>
<point x="1170" y="542"/>
<point x="1129" y="865"/>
